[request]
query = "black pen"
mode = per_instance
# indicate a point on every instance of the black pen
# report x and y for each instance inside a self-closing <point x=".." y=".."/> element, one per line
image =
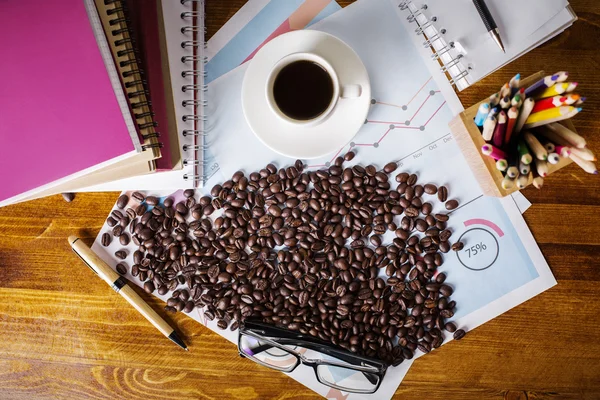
<point x="489" y="22"/>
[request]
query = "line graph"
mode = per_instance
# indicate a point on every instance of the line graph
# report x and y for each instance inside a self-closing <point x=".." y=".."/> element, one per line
<point x="392" y="124"/>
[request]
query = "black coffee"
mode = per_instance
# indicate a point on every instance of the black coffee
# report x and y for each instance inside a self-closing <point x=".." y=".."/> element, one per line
<point x="303" y="90"/>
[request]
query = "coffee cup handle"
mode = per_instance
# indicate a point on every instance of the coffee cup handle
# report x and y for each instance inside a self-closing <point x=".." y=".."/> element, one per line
<point x="350" y="91"/>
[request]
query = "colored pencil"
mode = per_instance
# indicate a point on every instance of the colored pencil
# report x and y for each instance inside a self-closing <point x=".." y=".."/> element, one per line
<point x="494" y="152"/>
<point x="524" y="168"/>
<point x="556" y="101"/>
<point x="528" y="105"/>
<point x="552" y="115"/>
<point x="512" y="115"/>
<point x="541" y="167"/>
<point x="535" y="146"/>
<point x="488" y="127"/>
<point x="505" y="102"/>
<point x="549" y="146"/>
<point x="494" y="99"/>
<point x="585" y="154"/>
<point x="524" y="154"/>
<point x="500" y="130"/>
<point x="514" y="84"/>
<point x="482" y="113"/>
<point x="501" y="165"/>
<point x="567" y="135"/>
<point x="587" y="166"/>
<point x="580" y="101"/>
<point x="512" y="171"/>
<point x="538" y="182"/>
<point x="561" y="76"/>
<point x="553" y="158"/>
<point x="508" y="183"/>
<point x="572" y="86"/>
<point x="552" y="91"/>
<point x="505" y="91"/>
<point x="517" y="101"/>
<point x="564" y="151"/>
<point x="523" y="180"/>
<point x="542" y="84"/>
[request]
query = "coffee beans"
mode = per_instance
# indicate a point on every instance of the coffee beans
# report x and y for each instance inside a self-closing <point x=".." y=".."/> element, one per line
<point x="122" y="201"/>
<point x="459" y="334"/>
<point x="68" y="197"/>
<point x="442" y="193"/>
<point x="121" y="269"/>
<point x="458" y="246"/>
<point x="106" y="239"/>
<point x="303" y="250"/>
<point x="451" y="204"/>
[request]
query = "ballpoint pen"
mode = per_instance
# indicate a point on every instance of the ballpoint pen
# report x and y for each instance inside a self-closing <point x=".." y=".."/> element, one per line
<point x="119" y="285"/>
<point x="489" y="22"/>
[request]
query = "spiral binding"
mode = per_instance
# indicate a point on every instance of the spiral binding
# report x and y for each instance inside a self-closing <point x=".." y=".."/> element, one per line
<point x="138" y="88"/>
<point x="415" y="13"/>
<point x="195" y="69"/>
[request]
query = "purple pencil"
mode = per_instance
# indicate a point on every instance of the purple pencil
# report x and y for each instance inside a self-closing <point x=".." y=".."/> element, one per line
<point x="542" y="84"/>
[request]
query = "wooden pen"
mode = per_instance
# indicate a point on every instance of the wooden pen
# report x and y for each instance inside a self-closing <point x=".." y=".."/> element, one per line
<point x="119" y="284"/>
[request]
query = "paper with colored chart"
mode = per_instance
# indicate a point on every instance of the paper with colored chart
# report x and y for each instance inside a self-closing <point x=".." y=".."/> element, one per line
<point x="255" y="24"/>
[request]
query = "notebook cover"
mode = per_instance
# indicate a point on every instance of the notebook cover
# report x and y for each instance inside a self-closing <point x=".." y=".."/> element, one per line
<point x="145" y="30"/>
<point x="59" y="112"/>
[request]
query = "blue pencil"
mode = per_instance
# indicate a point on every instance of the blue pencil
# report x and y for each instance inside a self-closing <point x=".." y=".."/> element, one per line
<point x="482" y="114"/>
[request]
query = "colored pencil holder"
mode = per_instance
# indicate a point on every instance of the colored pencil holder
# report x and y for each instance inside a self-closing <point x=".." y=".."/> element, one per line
<point x="469" y="140"/>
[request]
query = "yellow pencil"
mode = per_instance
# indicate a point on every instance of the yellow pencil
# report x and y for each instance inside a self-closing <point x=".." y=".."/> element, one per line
<point x="554" y="90"/>
<point x="551" y="115"/>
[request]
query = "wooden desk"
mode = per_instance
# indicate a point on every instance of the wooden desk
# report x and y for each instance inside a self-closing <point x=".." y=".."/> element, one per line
<point x="65" y="334"/>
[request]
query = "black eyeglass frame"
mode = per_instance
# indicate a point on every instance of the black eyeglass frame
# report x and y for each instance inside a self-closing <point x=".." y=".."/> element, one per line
<point x="277" y="337"/>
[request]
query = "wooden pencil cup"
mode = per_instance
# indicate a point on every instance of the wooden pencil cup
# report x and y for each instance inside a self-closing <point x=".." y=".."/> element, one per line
<point x="469" y="139"/>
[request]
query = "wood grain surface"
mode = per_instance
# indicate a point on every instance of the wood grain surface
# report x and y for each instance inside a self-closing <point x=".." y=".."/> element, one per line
<point x="66" y="335"/>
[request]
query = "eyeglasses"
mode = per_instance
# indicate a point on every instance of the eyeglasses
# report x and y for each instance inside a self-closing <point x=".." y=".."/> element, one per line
<point x="284" y="350"/>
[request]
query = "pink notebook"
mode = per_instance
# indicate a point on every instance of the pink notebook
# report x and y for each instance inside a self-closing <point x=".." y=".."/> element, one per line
<point x="59" y="116"/>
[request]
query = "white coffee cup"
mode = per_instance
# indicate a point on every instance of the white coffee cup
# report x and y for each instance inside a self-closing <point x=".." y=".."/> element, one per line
<point x="340" y="91"/>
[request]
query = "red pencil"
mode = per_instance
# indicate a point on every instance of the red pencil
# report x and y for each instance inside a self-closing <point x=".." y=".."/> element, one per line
<point x="513" y="113"/>
<point x="500" y="130"/>
<point x="556" y="101"/>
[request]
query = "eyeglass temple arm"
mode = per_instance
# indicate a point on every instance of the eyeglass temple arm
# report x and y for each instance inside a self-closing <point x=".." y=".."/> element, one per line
<point x="373" y="378"/>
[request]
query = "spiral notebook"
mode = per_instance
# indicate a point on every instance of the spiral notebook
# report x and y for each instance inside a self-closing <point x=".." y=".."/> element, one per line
<point x="458" y="40"/>
<point x="72" y="109"/>
<point x="181" y="23"/>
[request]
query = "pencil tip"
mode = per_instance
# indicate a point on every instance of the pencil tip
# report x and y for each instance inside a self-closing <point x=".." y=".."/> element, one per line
<point x="177" y="340"/>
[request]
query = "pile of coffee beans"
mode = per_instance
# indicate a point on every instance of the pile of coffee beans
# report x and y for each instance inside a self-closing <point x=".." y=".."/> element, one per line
<point x="304" y="251"/>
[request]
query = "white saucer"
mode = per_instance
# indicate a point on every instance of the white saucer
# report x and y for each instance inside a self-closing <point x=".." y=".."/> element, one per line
<point x="302" y="141"/>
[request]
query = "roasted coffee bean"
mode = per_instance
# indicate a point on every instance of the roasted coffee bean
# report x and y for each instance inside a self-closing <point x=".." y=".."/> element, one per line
<point x="459" y="334"/>
<point x="458" y="246"/>
<point x="121" y="254"/>
<point x="349" y="156"/>
<point x="121" y="268"/>
<point x="138" y="196"/>
<point x="68" y="197"/>
<point x="149" y="287"/>
<point x="122" y="201"/>
<point x="152" y="200"/>
<point x="450" y="327"/>
<point x="430" y="188"/>
<point x="106" y="239"/>
<point x="442" y="193"/>
<point x="390" y="167"/>
<point x="222" y="324"/>
<point x="188" y="193"/>
<point x="124" y="239"/>
<point x="451" y="204"/>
